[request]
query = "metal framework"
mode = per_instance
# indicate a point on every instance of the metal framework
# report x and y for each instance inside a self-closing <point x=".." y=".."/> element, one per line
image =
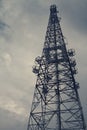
<point x="56" y="104"/>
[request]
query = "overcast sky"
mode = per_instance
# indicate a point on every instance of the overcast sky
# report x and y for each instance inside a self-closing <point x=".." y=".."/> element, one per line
<point x="23" y="25"/>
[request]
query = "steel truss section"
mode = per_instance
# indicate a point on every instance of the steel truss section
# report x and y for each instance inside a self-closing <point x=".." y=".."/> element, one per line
<point x="56" y="104"/>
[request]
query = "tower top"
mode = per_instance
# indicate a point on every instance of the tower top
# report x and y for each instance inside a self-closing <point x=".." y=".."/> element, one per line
<point x="53" y="9"/>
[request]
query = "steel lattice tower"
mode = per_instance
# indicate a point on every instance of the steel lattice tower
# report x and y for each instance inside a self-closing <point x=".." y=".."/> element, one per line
<point x="56" y="104"/>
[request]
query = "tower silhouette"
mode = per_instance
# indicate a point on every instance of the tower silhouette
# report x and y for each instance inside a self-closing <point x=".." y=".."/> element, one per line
<point x="56" y="104"/>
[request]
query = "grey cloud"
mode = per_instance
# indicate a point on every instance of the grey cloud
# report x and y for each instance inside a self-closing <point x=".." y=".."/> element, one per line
<point x="3" y="26"/>
<point x="75" y="11"/>
<point x="10" y="121"/>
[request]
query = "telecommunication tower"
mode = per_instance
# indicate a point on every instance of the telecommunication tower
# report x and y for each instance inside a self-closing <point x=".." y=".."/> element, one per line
<point x="56" y="104"/>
